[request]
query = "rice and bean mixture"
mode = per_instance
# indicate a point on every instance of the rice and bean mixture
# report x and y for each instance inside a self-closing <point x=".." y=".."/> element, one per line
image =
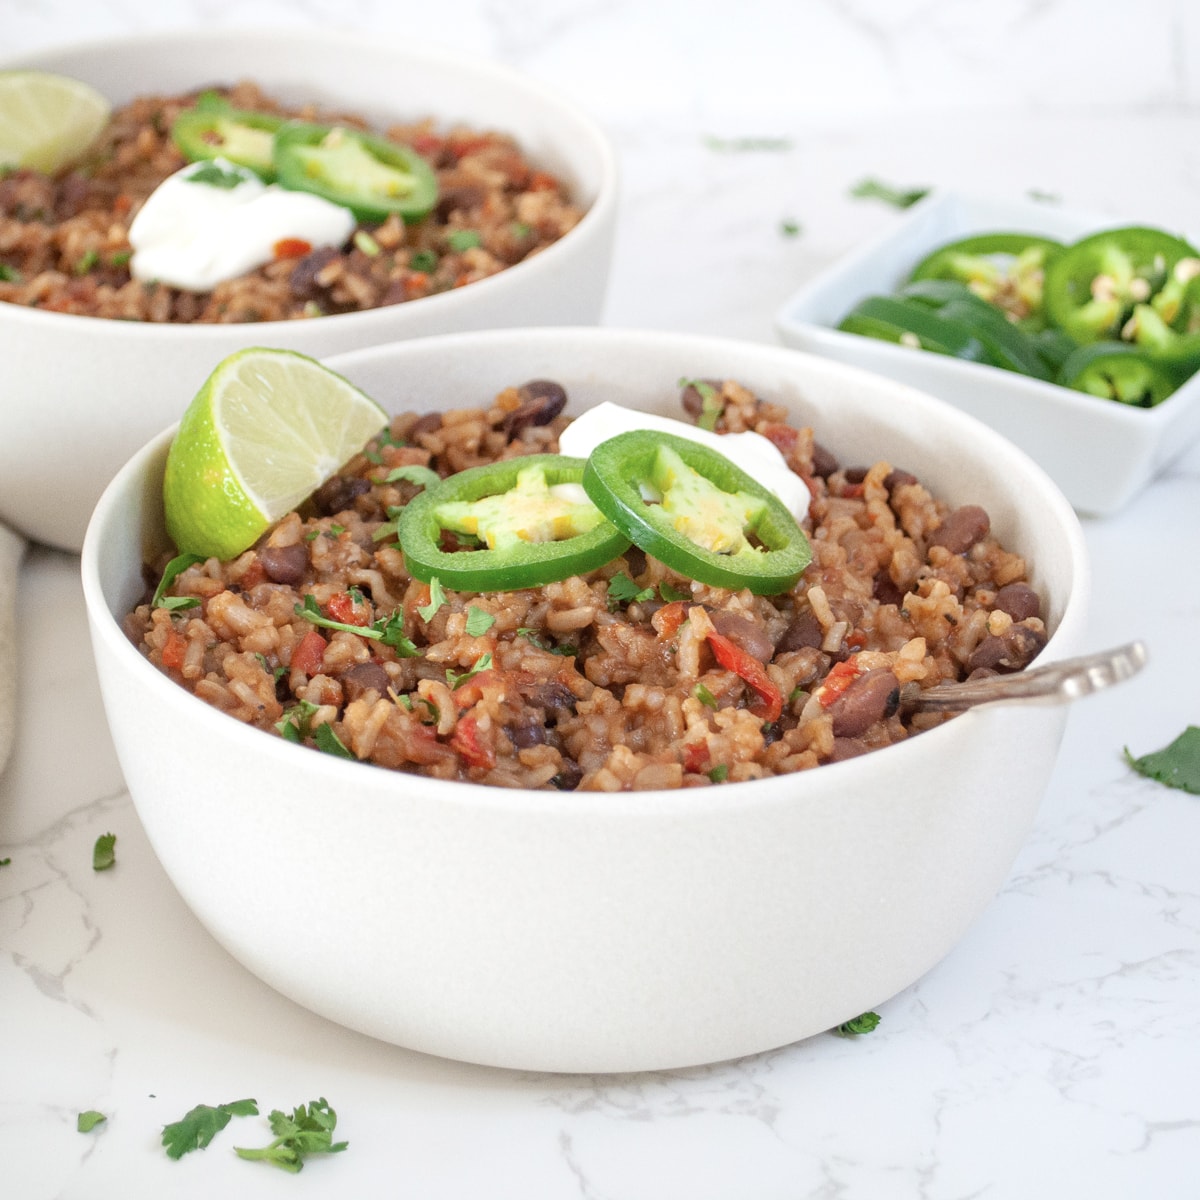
<point x="607" y="681"/>
<point x="64" y="243"/>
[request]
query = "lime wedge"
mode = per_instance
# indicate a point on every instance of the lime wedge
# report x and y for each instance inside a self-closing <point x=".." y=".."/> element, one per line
<point x="265" y="431"/>
<point x="47" y="121"/>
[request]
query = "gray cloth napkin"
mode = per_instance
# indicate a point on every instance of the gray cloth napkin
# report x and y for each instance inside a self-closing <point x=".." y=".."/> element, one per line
<point x="12" y="548"/>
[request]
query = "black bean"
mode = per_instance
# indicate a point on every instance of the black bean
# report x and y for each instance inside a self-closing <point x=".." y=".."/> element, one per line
<point x="568" y="779"/>
<point x="873" y="696"/>
<point x="285" y="564"/>
<point x="454" y="199"/>
<point x="744" y="632"/>
<point x="429" y="423"/>
<point x="692" y="399"/>
<point x="1019" y="600"/>
<point x="1011" y="651"/>
<point x="962" y="529"/>
<point x="337" y="494"/>
<point x="549" y="693"/>
<point x="365" y="677"/>
<point x="898" y="478"/>
<point x="854" y="474"/>
<point x="541" y="401"/>
<point x="804" y="631"/>
<point x="824" y="463"/>
<point x="885" y="590"/>
<point x="635" y="561"/>
<point x="527" y="730"/>
<point x="302" y="282"/>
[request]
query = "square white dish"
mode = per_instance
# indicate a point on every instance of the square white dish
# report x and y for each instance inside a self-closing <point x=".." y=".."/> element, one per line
<point x="1101" y="453"/>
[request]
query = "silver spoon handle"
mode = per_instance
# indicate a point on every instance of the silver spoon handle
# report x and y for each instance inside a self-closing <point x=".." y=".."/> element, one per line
<point x="1056" y="683"/>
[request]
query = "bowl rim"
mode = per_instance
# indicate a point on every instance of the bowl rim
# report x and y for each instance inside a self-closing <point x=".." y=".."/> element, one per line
<point x="651" y="803"/>
<point x="814" y="333"/>
<point x="599" y="213"/>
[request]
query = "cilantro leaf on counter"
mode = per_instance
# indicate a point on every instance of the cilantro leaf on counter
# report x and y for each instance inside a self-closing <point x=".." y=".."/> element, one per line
<point x="863" y="1023"/>
<point x="85" y="1122"/>
<point x="1176" y="765"/>
<point x="739" y="145"/>
<point x="875" y="189"/>
<point x="790" y="227"/>
<point x="309" y="1130"/>
<point x="103" y="852"/>
<point x="199" y="1126"/>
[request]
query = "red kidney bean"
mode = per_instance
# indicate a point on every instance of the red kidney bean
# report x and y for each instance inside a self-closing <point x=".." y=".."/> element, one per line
<point x="1019" y="600"/>
<point x="898" y="478"/>
<point x="804" y="631"/>
<point x="453" y="199"/>
<point x="541" y="401"/>
<point x="285" y="564"/>
<point x="962" y="529"/>
<point x="824" y="463"/>
<point x="338" y="493"/>
<point x="872" y="697"/>
<point x="302" y="282"/>
<point x="1011" y="651"/>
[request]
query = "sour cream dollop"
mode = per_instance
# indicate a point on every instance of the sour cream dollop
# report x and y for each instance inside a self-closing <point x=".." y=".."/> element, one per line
<point x="193" y="235"/>
<point x="758" y="456"/>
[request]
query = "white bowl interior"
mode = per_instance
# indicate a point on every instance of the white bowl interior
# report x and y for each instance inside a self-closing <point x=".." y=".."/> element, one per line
<point x="1100" y="453"/>
<point x="588" y="932"/>
<point x="92" y="390"/>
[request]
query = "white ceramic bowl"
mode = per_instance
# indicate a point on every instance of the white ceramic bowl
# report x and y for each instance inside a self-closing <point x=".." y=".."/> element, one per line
<point x="586" y="931"/>
<point x="81" y="394"/>
<point x="1100" y="453"/>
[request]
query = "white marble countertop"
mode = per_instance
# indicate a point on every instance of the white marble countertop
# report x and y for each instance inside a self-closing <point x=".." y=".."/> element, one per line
<point x="1054" y="1053"/>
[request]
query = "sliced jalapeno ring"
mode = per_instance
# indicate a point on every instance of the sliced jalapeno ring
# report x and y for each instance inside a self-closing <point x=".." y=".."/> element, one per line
<point x="1117" y="371"/>
<point x="368" y="175"/>
<point x="707" y="507"/>
<point x="214" y="130"/>
<point x="924" y="328"/>
<point x="507" y="505"/>
<point x="1092" y="287"/>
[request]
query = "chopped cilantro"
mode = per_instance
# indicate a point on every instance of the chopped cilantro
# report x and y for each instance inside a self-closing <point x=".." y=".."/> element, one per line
<point x="327" y="740"/>
<point x="478" y="621"/>
<point x="216" y="176"/>
<point x="423" y="261"/>
<point x="174" y="569"/>
<point x="740" y="145"/>
<point x="413" y="473"/>
<point x="521" y="230"/>
<point x="85" y="1122"/>
<point x="104" y="852"/>
<point x="388" y="630"/>
<point x="622" y="590"/>
<point x="719" y="773"/>
<point x="437" y="597"/>
<point x="1176" y="765"/>
<point x="296" y="722"/>
<point x="309" y="1130"/>
<point x="391" y="525"/>
<point x="705" y="696"/>
<point x="790" y="228"/>
<point x="863" y="1023"/>
<point x="463" y="239"/>
<point x="538" y="639"/>
<point x="201" y="1124"/>
<point x="874" y="189"/>
<point x="119" y="258"/>
<point x="454" y="678"/>
<point x="9" y="274"/>
<point x="86" y="262"/>
<point x="669" y="594"/>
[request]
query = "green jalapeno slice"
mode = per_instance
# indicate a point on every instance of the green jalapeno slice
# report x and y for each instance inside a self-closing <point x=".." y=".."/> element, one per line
<point x="694" y="510"/>
<point x="1093" y="286"/>
<point x="1005" y="269"/>
<point x="214" y="130"/>
<point x="531" y="533"/>
<point x="369" y="175"/>
<point x="912" y="323"/>
<point x="1117" y="371"/>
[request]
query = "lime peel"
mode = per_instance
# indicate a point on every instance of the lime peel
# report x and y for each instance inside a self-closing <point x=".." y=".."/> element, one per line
<point x="47" y="121"/>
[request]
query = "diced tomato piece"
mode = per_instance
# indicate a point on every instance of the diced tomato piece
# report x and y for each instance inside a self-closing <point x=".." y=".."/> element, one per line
<point x="427" y="144"/>
<point x="857" y="640"/>
<point x="542" y="181"/>
<point x="461" y="147"/>
<point x="343" y="607"/>
<point x="122" y="203"/>
<point x="175" y="649"/>
<point x="291" y="247"/>
<point x="768" y="703"/>
<point x="852" y="491"/>
<point x="838" y="680"/>
<point x="310" y="653"/>
<point x="471" y="691"/>
<point x="695" y="757"/>
<point x="471" y="749"/>
<point x="784" y="437"/>
<point x="668" y="619"/>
